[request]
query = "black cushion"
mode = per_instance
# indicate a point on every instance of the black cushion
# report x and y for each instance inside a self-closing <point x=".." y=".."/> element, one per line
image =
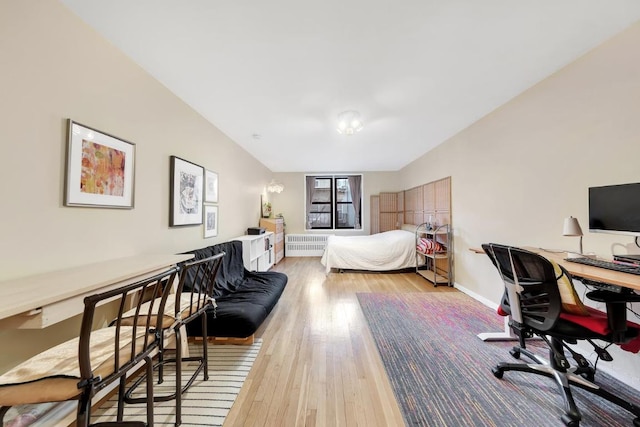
<point x="238" y="319"/>
<point x="244" y="298"/>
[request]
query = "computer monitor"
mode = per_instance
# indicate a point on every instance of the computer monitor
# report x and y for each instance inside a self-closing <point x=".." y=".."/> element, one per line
<point x="615" y="209"/>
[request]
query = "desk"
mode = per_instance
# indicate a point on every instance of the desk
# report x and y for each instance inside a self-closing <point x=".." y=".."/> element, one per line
<point x="38" y="301"/>
<point x="578" y="271"/>
<point x="612" y="277"/>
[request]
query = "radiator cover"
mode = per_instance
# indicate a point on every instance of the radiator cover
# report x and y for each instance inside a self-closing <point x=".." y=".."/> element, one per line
<point x="305" y="245"/>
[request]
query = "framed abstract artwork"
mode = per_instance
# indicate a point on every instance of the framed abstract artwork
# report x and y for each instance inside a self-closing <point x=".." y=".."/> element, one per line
<point x="99" y="169"/>
<point x="185" y="193"/>
<point x="210" y="221"/>
<point x="210" y="187"/>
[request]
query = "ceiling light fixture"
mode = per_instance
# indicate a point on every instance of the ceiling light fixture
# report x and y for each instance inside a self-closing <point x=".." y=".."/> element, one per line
<point x="349" y="122"/>
<point x="275" y="187"/>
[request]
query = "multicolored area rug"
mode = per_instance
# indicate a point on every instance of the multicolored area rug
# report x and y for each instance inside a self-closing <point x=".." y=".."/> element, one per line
<point x="441" y="371"/>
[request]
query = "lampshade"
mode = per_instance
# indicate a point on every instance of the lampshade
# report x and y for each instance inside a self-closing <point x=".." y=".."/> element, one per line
<point x="571" y="227"/>
<point x="275" y="187"/>
<point x="349" y="122"/>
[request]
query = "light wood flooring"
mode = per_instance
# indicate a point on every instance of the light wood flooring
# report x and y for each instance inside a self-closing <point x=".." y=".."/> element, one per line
<point x="319" y="365"/>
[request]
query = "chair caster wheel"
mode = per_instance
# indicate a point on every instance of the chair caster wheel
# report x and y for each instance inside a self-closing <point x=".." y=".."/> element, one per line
<point x="497" y="372"/>
<point x="569" y="422"/>
<point x="515" y="353"/>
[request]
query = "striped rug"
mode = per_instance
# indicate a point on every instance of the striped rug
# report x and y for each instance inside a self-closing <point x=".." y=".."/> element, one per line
<point x="206" y="403"/>
<point x="441" y="371"/>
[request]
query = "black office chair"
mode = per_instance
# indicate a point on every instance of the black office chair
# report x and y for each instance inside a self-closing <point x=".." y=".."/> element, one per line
<point x="533" y="300"/>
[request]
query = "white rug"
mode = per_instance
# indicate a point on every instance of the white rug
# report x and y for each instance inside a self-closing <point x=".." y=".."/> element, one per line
<point x="206" y="403"/>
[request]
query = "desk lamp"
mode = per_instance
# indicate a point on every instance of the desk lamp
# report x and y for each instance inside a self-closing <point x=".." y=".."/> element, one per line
<point x="572" y="228"/>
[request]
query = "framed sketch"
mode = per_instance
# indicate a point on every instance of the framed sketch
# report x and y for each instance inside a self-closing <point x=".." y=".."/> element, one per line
<point x="185" y="193"/>
<point x="210" y="187"/>
<point x="210" y="221"/>
<point x="99" y="169"/>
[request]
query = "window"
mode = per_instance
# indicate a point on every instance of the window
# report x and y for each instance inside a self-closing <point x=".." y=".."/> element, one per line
<point x="333" y="202"/>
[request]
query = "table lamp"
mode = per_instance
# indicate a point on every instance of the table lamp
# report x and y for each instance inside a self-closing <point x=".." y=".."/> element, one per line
<point x="572" y="228"/>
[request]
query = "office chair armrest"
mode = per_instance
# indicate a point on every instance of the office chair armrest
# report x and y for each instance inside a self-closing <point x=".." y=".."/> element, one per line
<point x="613" y="297"/>
<point x="616" y="310"/>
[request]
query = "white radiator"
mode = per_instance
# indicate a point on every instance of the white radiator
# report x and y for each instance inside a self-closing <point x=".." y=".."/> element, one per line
<point x="305" y="244"/>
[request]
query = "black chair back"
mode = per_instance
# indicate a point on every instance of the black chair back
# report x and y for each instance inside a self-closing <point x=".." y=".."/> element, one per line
<point x="531" y="285"/>
<point x="197" y="281"/>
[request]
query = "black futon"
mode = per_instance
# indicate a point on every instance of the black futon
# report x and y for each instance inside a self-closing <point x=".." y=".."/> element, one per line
<point x="244" y="298"/>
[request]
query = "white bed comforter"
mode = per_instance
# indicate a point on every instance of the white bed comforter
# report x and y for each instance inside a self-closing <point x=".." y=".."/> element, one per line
<point x="391" y="250"/>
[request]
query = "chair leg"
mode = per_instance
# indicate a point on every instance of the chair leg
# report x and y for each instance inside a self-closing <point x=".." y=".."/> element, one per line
<point x="178" y="360"/>
<point x="84" y="408"/>
<point x="161" y="359"/>
<point x="554" y="368"/>
<point x="121" y="393"/>
<point x="571" y="415"/>
<point x="205" y="346"/>
<point x="178" y="336"/>
<point x="149" y="366"/>
<point x="565" y="379"/>
<point x="571" y="410"/>
<point x="589" y="386"/>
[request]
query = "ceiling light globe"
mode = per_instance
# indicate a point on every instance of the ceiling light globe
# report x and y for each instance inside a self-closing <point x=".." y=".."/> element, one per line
<point x="349" y="122"/>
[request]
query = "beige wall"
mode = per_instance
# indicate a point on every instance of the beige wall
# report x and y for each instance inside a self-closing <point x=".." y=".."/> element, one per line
<point x="291" y="202"/>
<point x="517" y="173"/>
<point x="54" y="67"/>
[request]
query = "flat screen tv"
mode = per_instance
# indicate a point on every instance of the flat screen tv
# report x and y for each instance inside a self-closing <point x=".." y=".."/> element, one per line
<point x="615" y="209"/>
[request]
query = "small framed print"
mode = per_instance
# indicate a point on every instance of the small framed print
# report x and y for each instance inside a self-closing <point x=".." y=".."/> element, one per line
<point x="210" y="187"/>
<point x="99" y="169"/>
<point x="185" y="193"/>
<point x="210" y="221"/>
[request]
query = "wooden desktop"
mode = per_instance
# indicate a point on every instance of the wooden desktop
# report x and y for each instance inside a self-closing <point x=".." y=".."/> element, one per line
<point x="597" y="274"/>
<point x="35" y="302"/>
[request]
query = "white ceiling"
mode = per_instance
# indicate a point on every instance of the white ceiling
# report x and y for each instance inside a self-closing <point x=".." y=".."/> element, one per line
<point x="274" y="75"/>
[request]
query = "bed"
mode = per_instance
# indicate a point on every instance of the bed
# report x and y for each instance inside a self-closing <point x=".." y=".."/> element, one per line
<point x="390" y="250"/>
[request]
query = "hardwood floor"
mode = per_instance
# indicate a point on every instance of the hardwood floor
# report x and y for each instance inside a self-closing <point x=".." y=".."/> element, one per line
<point x="319" y="365"/>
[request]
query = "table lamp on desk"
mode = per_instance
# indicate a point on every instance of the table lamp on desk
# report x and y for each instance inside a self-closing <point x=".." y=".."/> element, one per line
<point x="572" y="228"/>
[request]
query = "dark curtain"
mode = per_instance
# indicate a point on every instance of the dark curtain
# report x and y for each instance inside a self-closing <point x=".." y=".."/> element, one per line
<point x="355" y="186"/>
<point x="311" y="190"/>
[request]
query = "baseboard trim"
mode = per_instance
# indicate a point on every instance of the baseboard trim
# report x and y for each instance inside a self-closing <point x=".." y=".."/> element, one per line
<point x="476" y="296"/>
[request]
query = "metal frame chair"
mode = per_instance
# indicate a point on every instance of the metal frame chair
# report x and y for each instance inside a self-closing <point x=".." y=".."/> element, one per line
<point x="192" y="299"/>
<point x="81" y="367"/>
